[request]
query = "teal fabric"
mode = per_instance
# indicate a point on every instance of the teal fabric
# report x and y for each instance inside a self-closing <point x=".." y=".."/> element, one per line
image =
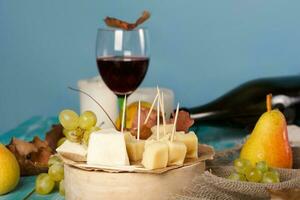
<point x="219" y="137"/>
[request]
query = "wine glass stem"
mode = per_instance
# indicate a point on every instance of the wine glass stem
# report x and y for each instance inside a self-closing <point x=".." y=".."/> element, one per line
<point x="121" y="104"/>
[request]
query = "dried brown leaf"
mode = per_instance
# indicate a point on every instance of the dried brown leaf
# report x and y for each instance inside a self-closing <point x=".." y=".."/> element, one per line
<point x="54" y="135"/>
<point x="117" y="23"/>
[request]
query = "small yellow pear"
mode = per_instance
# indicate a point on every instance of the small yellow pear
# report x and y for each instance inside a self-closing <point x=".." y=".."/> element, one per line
<point x="9" y="170"/>
<point x="269" y="140"/>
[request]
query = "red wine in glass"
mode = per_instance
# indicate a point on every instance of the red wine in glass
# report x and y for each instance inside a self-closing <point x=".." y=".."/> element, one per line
<point x="123" y="74"/>
<point x="122" y="57"/>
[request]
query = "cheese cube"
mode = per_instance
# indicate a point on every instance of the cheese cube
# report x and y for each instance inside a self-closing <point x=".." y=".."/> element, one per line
<point x="128" y="137"/>
<point x="107" y="147"/>
<point x="168" y="128"/>
<point x="72" y="150"/>
<point x="190" y="140"/>
<point x="155" y="155"/>
<point x="177" y="151"/>
<point x="161" y="137"/>
<point x="135" y="149"/>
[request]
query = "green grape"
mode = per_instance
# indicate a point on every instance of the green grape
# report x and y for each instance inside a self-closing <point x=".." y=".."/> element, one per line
<point x="270" y="177"/>
<point x="73" y="135"/>
<point x="241" y="165"/>
<point x="44" y="184"/>
<point x="54" y="159"/>
<point x="237" y="177"/>
<point x="87" y="133"/>
<point x="254" y="175"/>
<point x="56" y="172"/>
<point x="87" y="120"/>
<point x="274" y="171"/>
<point x="69" y="119"/>
<point x="61" y="141"/>
<point x="62" y="187"/>
<point x="262" y="166"/>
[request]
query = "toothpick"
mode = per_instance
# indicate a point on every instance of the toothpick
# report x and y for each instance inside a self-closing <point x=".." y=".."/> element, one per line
<point x="163" y="112"/>
<point x="157" y="126"/>
<point x="123" y="114"/>
<point x="151" y="108"/>
<point x="175" y="122"/>
<point x="139" y="120"/>
<point x="162" y="108"/>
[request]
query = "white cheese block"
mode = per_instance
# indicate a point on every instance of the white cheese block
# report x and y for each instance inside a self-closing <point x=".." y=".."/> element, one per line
<point x="135" y="149"/>
<point x="107" y="147"/>
<point x="155" y="155"/>
<point x="177" y="152"/>
<point x="73" y="151"/>
<point x="190" y="140"/>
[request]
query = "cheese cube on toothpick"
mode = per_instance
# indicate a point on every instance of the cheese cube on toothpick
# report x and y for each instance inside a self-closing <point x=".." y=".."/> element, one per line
<point x="107" y="147"/>
<point x="135" y="147"/>
<point x="128" y="137"/>
<point x="155" y="155"/>
<point x="168" y="129"/>
<point x="177" y="152"/>
<point x="135" y="150"/>
<point x="191" y="142"/>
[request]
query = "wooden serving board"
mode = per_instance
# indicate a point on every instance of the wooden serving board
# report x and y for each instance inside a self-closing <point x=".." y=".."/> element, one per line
<point x="93" y="185"/>
<point x="92" y="182"/>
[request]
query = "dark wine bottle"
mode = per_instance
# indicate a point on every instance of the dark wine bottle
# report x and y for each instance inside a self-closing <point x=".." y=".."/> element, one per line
<point x="243" y="105"/>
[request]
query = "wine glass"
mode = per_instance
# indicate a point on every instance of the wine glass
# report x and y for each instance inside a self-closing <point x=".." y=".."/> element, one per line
<point x="122" y="59"/>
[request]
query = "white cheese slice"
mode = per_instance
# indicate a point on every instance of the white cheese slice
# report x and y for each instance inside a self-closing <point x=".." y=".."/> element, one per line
<point x="177" y="152"/>
<point x="155" y="155"/>
<point x="73" y="151"/>
<point x="190" y="140"/>
<point x="107" y="147"/>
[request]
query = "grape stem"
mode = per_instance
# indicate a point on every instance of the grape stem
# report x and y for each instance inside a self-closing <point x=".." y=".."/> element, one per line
<point x="269" y="102"/>
<point x="83" y="92"/>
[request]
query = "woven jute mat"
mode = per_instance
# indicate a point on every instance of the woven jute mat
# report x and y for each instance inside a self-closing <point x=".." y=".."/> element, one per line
<point x="213" y="184"/>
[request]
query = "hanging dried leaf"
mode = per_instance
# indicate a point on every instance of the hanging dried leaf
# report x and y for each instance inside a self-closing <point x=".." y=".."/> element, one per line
<point x="117" y="23"/>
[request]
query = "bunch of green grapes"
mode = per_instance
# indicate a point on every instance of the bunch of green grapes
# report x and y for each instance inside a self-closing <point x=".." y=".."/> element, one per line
<point x="77" y="128"/>
<point x="45" y="182"/>
<point x="260" y="173"/>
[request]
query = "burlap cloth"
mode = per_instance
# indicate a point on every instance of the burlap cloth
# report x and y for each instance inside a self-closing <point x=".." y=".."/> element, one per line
<point x="212" y="184"/>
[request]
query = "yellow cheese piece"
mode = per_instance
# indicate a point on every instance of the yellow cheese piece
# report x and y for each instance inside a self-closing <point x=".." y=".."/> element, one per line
<point x="177" y="151"/>
<point x="155" y="155"/>
<point x="191" y="142"/>
<point x="135" y="149"/>
<point x="107" y="147"/>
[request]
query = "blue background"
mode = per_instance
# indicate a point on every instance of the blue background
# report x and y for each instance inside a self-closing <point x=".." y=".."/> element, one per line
<point x="200" y="49"/>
